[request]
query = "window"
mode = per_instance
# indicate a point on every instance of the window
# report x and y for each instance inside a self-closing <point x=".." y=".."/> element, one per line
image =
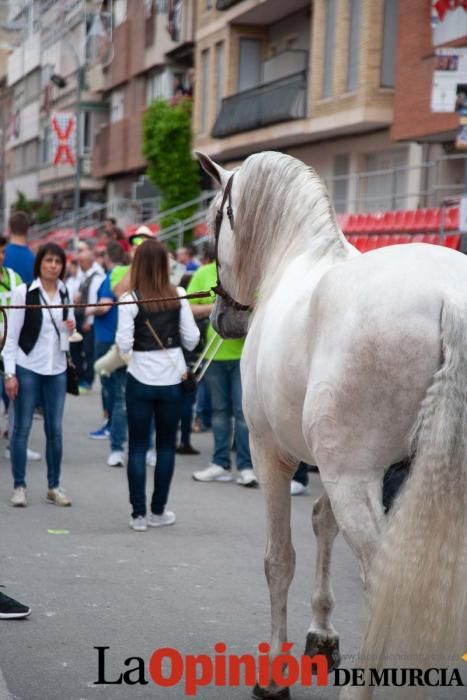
<point x="385" y="183"/>
<point x="354" y="45"/>
<point x="30" y="155"/>
<point x="46" y="151"/>
<point x="329" y="48"/>
<point x="341" y="182"/>
<point x="119" y="11"/>
<point x="117" y="105"/>
<point x="32" y="86"/>
<point x="204" y="90"/>
<point x="159" y="86"/>
<point x="219" y="74"/>
<point x="249" y="68"/>
<point x="388" y="55"/>
<point x="86" y="135"/>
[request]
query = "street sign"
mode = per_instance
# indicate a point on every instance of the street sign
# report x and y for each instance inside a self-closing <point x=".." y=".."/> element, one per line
<point x="463" y="215"/>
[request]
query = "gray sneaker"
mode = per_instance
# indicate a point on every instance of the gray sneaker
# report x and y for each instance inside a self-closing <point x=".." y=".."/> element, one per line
<point x="213" y="473"/>
<point x="139" y="524"/>
<point x="167" y="518"/>
<point x="18" y="497"/>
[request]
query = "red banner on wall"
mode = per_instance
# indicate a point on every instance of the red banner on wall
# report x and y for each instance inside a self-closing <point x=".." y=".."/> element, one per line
<point x="63" y="138"/>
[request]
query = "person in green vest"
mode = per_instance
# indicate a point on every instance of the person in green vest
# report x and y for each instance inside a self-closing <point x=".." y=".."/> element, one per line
<point x="225" y="386"/>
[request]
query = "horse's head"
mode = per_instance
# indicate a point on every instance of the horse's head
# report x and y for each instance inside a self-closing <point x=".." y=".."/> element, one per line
<point x="230" y="314"/>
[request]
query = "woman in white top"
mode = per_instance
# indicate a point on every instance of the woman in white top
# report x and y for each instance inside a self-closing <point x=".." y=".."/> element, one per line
<point x="35" y="368"/>
<point x="154" y="377"/>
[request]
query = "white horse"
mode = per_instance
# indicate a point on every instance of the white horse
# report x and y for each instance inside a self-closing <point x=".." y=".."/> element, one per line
<point x="350" y="362"/>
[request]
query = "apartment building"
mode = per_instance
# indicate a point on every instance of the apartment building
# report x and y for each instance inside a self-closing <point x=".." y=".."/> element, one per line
<point x="313" y="78"/>
<point x="414" y="117"/>
<point x="52" y="40"/>
<point x="5" y="107"/>
<point x="152" y="58"/>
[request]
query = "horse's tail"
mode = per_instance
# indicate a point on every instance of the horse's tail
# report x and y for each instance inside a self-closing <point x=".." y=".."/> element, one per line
<point x="417" y="595"/>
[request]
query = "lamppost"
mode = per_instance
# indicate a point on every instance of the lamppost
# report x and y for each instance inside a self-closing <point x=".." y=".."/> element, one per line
<point x="61" y="83"/>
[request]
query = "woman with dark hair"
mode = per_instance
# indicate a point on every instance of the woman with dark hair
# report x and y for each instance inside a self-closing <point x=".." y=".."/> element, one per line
<point x="35" y="368"/>
<point x="155" y="332"/>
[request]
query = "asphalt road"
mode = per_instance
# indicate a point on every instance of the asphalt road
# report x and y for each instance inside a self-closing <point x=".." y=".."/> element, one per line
<point x="186" y="587"/>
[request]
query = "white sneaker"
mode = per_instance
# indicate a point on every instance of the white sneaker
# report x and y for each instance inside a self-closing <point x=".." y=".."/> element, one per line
<point x="116" y="459"/>
<point x="296" y="488"/>
<point x="151" y="458"/>
<point x="30" y="455"/>
<point x="247" y="477"/>
<point x="213" y="473"/>
<point x="139" y="523"/>
<point x="167" y="518"/>
<point x="18" y="497"/>
<point x="58" y="496"/>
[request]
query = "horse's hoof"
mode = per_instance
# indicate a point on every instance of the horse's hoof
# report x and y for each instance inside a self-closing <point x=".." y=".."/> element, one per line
<point x="265" y="694"/>
<point x="328" y="646"/>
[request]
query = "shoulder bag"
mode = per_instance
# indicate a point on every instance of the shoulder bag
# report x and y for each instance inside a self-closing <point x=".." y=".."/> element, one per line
<point x="72" y="379"/>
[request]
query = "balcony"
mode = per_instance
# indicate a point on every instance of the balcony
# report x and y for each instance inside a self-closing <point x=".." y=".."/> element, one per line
<point x="260" y="12"/>
<point x="111" y="150"/>
<point x="276" y="101"/>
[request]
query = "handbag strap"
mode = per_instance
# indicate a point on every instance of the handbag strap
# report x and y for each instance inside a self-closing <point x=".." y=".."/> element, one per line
<point x="52" y="318"/>
<point x="153" y="332"/>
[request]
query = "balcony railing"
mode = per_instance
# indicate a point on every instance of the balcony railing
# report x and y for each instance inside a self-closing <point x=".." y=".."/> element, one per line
<point x="278" y="101"/>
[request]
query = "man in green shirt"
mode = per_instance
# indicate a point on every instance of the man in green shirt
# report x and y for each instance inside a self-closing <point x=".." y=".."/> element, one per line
<point x="224" y="383"/>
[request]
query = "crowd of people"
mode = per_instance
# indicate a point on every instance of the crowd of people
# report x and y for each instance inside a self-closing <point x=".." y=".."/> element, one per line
<point x="142" y="353"/>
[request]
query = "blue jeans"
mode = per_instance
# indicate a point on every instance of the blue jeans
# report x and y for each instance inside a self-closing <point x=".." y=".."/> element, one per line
<point x="118" y="421"/>
<point x="50" y="391"/>
<point x="113" y="400"/>
<point x="225" y="386"/>
<point x="203" y="404"/>
<point x="143" y="404"/>
<point x="100" y="349"/>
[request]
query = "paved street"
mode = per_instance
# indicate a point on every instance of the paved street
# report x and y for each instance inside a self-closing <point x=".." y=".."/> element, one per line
<point x="187" y="586"/>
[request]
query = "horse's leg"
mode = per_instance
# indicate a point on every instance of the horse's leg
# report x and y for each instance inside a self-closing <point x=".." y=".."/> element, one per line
<point x="322" y="638"/>
<point x="274" y="477"/>
<point x="358" y="509"/>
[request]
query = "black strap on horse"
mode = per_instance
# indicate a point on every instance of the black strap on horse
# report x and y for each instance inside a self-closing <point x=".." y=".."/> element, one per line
<point x="219" y="289"/>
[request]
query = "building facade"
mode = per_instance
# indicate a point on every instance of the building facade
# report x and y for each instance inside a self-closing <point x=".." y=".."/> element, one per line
<point x="414" y="117"/>
<point x="52" y="41"/>
<point x="152" y="58"/>
<point x="312" y="78"/>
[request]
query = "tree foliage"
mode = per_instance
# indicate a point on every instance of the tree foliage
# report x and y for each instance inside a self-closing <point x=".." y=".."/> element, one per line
<point x="167" y="148"/>
<point x="39" y="212"/>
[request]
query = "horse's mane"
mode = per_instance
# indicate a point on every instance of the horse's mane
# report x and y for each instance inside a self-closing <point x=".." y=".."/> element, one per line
<point x="281" y="202"/>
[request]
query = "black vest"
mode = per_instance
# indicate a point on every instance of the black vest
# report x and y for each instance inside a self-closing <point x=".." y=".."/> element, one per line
<point x="33" y="319"/>
<point x="165" y="323"/>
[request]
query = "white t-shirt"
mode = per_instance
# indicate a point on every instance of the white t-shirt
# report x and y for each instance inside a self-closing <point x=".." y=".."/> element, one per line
<point x="156" y="367"/>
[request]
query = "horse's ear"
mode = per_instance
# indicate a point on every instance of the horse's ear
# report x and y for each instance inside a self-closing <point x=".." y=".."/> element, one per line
<point x="213" y="169"/>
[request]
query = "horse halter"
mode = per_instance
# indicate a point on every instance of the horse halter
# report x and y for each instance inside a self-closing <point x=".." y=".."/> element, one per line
<point x="219" y="289"/>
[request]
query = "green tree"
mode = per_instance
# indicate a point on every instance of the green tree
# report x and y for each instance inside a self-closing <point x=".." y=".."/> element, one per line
<point x="167" y="148"/>
<point x="39" y="212"/>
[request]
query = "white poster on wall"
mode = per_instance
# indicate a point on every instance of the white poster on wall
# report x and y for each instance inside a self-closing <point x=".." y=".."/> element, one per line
<point x="448" y="20"/>
<point x="449" y="80"/>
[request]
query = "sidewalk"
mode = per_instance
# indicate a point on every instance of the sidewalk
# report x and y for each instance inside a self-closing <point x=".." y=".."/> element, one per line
<point x="188" y="586"/>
